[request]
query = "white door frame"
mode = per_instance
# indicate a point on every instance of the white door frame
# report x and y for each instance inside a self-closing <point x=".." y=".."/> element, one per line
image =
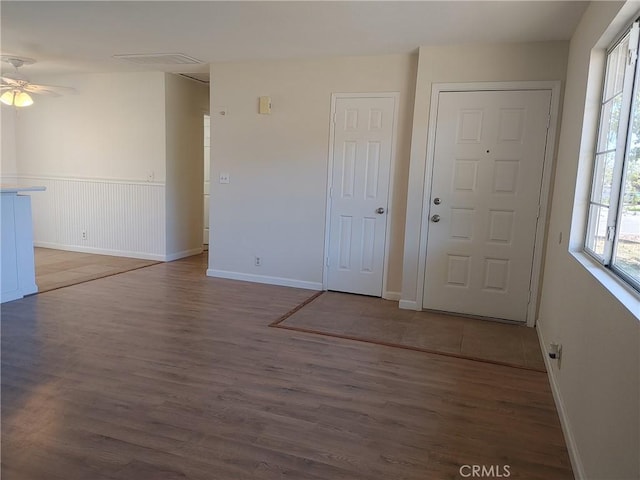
<point x="437" y="88"/>
<point x="327" y="220"/>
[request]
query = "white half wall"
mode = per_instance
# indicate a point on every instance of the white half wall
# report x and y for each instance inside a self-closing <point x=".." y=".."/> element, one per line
<point x="462" y="64"/>
<point x="274" y="204"/>
<point x="597" y="382"/>
<point x="119" y="218"/>
<point x="101" y="155"/>
<point x="186" y="103"/>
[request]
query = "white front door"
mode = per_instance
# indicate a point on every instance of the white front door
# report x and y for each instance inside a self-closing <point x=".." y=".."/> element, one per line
<point x="488" y="161"/>
<point x="359" y="190"/>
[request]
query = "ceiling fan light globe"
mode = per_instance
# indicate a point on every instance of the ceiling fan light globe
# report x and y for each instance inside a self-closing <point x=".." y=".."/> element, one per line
<point x="7" y="97"/>
<point x="22" y="99"/>
<point x="16" y="98"/>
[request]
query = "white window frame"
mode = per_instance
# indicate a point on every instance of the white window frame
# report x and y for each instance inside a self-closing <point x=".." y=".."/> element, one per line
<point x="629" y="89"/>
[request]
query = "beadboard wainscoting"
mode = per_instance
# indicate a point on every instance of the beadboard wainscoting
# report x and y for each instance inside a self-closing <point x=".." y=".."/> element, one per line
<point x="111" y="217"/>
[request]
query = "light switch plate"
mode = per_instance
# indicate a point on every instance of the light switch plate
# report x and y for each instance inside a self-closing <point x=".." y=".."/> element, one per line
<point x="264" y="105"/>
<point x="224" y="178"/>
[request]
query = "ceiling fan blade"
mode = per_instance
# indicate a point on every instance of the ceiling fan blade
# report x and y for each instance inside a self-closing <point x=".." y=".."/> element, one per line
<point x="17" y="76"/>
<point x="52" y="90"/>
<point x="11" y="81"/>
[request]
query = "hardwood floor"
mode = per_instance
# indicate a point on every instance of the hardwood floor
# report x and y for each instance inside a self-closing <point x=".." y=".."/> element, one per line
<point x="162" y="373"/>
<point x="59" y="268"/>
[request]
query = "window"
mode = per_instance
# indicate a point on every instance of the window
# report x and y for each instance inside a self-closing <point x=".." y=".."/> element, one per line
<point x="613" y="224"/>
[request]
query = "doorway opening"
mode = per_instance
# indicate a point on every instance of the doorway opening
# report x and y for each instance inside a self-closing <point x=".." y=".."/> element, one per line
<point x="207" y="181"/>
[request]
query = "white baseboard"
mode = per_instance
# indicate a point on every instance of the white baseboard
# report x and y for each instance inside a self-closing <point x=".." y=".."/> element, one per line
<point x="395" y="296"/>
<point x="185" y="253"/>
<point x="30" y="289"/>
<point x="248" y="277"/>
<point x="101" y="251"/>
<point x="574" y="455"/>
<point x="408" y="305"/>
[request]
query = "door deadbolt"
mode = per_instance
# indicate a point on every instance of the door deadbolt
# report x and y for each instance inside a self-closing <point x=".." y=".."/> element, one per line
<point x="380" y="211"/>
<point x="435" y="218"/>
<point x="437" y="201"/>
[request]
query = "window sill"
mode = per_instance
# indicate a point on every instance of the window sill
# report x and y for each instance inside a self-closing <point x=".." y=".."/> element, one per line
<point x="626" y="295"/>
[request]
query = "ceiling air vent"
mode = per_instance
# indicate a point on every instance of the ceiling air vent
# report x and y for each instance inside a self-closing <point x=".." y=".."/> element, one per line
<point x="158" y="59"/>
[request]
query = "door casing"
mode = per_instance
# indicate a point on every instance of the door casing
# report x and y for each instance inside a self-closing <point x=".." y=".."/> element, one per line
<point x="327" y="229"/>
<point x="437" y="88"/>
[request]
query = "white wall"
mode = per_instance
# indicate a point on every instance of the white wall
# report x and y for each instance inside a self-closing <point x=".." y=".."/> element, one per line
<point x="8" y="165"/>
<point x="101" y="155"/>
<point x="457" y="64"/>
<point x="598" y="381"/>
<point x="112" y="129"/>
<point x="274" y="205"/>
<point x="186" y="104"/>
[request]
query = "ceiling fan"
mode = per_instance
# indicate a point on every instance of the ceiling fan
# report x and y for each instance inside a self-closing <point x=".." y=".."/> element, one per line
<point x="16" y="88"/>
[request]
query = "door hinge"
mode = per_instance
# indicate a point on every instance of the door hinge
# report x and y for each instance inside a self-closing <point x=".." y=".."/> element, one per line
<point x="632" y="52"/>
<point x="327" y="261"/>
<point x="333" y="119"/>
<point x="632" y="56"/>
<point x="330" y="192"/>
<point x="538" y="214"/>
<point x="611" y="233"/>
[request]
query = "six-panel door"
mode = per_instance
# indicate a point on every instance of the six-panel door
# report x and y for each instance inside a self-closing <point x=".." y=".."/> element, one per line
<point x="488" y="163"/>
<point x="362" y="145"/>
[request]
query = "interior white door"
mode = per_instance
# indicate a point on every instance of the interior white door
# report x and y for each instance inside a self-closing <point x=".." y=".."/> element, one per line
<point x="359" y="190"/>
<point x="488" y="162"/>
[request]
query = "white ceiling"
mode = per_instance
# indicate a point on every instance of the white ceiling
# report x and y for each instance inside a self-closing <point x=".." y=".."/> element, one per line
<point x="82" y="36"/>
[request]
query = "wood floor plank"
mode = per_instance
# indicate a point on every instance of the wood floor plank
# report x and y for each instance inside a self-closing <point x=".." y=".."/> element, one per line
<point x="163" y="373"/>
